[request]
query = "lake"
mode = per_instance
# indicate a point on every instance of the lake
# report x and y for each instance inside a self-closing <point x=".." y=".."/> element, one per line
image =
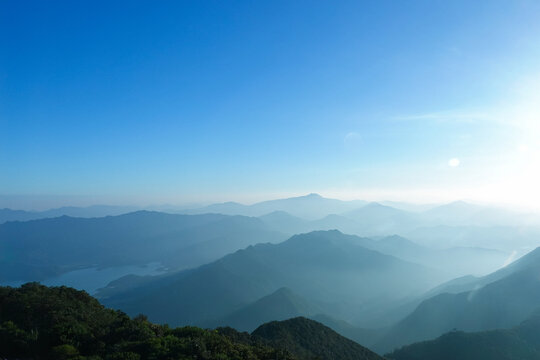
<point x="92" y="279"/>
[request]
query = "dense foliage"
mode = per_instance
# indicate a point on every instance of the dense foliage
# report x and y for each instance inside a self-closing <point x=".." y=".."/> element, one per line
<point x="312" y="340"/>
<point x="39" y="322"/>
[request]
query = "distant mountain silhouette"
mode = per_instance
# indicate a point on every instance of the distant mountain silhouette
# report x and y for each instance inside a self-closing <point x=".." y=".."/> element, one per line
<point x="518" y="239"/>
<point x="375" y="218"/>
<point x="86" y="212"/>
<point x="311" y="206"/>
<point x="459" y="213"/>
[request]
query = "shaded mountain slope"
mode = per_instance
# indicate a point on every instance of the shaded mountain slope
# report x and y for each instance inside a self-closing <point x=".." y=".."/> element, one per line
<point x="285" y="304"/>
<point x="357" y="334"/>
<point x="280" y="305"/>
<point x="521" y="342"/>
<point x="326" y="267"/>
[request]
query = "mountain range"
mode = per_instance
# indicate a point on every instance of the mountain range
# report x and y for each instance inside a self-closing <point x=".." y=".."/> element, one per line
<point x="285" y="304"/>
<point x="459" y="266"/>
<point x="330" y="269"/>
<point x="499" y="300"/>
<point x="311" y="206"/>
<point x="38" y="249"/>
<point x="73" y="211"/>
<point x="315" y="207"/>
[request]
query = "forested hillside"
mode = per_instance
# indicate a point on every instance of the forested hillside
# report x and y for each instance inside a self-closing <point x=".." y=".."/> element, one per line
<point x="311" y="340"/>
<point x="39" y="322"/>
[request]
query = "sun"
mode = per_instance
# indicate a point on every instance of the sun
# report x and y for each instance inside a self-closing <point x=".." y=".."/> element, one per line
<point x="454" y="162"/>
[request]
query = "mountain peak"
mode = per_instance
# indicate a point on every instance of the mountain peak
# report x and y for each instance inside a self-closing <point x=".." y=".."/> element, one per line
<point x="280" y="305"/>
<point x="311" y="339"/>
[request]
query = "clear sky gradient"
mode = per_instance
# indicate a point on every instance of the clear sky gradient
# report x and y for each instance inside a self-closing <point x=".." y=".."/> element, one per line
<point x="185" y="101"/>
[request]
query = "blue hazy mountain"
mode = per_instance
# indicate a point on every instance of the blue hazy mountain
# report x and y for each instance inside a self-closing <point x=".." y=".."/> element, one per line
<point x="499" y="300"/>
<point x="73" y="211"/>
<point x="375" y="218"/>
<point x="284" y="304"/>
<point x="326" y="267"/>
<point x="520" y="239"/>
<point x="454" y="261"/>
<point x="311" y="206"/>
<point x="38" y="249"/>
<point x="280" y="305"/>
<point x="460" y="213"/>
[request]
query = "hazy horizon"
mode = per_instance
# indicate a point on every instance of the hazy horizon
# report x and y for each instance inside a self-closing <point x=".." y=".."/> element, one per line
<point x="42" y="203"/>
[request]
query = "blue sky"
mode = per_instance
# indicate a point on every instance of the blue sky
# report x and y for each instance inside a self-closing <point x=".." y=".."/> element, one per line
<point x="187" y="101"/>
